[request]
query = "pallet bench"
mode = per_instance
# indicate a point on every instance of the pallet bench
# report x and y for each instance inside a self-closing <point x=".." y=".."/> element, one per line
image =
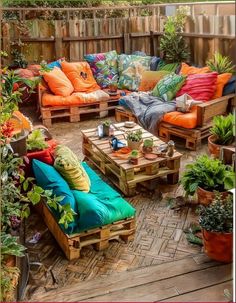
<point x="98" y="237"/>
<point x="122" y="114"/>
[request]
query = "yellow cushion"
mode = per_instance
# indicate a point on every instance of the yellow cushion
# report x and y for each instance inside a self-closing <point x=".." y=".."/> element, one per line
<point x="150" y="79"/>
<point x="69" y="166"/>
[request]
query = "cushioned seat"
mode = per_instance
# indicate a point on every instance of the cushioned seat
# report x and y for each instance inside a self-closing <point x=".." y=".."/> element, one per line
<point x="74" y="99"/>
<point x="186" y="120"/>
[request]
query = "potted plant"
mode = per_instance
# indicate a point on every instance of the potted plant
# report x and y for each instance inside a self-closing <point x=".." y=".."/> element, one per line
<point x="205" y="176"/>
<point x="106" y="127"/>
<point x="220" y="64"/>
<point x="36" y="141"/>
<point x="134" y="157"/>
<point x="148" y="145"/>
<point x="222" y="134"/>
<point x="216" y="221"/>
<point x="134" y="139"/>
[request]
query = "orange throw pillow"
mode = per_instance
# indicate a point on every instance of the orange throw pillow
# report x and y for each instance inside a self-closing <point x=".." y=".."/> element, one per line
<point x="222" y="79"/>
<point x="190" y="70"/>
<point x="185" y="120"/>
<point x="58" y="83"/>
<point x="150" y="79"/>
<point x="80" y="76"/>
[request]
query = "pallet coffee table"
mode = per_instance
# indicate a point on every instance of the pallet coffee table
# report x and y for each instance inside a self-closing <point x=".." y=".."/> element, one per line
<point x="124" y="175"/>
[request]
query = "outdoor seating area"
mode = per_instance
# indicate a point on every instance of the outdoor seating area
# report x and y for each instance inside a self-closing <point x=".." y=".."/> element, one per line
<point x="118" y="152"/>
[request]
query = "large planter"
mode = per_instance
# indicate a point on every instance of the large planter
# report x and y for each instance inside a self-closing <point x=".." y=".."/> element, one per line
<point x="214" y="149"/>
<point x="218" y="246"/>
<point x="205" y="197"/>
<point x="134" y="144"/>
<point x="19" y="145"/>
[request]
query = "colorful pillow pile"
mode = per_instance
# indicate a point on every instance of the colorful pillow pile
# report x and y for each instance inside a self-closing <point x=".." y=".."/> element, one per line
<point x="190" y="70"/>
<point x="131" y="68"/>
<point x="104" y="67"/>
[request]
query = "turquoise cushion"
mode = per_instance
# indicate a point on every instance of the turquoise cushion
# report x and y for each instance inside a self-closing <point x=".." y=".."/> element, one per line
<point x="49" y="179"/>
<point x="102" y="205"/>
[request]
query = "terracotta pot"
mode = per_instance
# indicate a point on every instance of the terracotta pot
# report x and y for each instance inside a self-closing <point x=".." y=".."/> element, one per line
<point x="134" y="145"/>
<point x="214" y="149"/>
<point x="147" y="150"/>
<point x="133" y="161"/>
<point x="218" y="246"/>
<point x="205" y="197"/>
<point x="10" y="261"/>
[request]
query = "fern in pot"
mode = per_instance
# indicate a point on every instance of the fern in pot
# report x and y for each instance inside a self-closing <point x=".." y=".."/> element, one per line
<point x="205" y="176"/>
<point x="222" y="134"/>
<point x="216" y="221"/>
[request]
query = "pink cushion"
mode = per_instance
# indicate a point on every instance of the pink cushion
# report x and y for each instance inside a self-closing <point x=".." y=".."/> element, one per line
<point x="200" y="86"/>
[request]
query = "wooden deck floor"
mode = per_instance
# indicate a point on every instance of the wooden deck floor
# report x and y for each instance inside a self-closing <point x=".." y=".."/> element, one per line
<point x="192" y="279"/>
<point x="159" y="264"/>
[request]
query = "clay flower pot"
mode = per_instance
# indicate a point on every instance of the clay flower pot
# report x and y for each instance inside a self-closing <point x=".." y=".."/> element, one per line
<point x="214" y="149"/>
<point x="134" y="144"/>
<point x="218" y="246"/>
<point x="205" y="197"/>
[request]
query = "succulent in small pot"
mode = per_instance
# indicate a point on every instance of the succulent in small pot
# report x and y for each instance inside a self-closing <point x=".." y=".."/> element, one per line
<point x="36" y="141"/>
<point x="222" y="134"/>
<point x="134" y="157"/>
<point x="216" y="221"/>
<point x="209" y="175"/>
<point x="134" y="139"/>
<point x="148" y="145"/>
<point x="106" y="127"/>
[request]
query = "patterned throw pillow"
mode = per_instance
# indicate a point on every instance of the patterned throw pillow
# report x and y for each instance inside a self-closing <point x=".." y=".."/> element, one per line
<point x="167" y="87"/>
<point x="150" y="79"/>
<point x="130" y="69"/>
<point x="104" y="67"/>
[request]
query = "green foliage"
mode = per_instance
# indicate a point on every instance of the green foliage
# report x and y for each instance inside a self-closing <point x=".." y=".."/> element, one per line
<point x="19" y="59"/>
<point x="36" y="141"/>
<point x="107" y="123"/>
<point x="172" y="44"/>
<point x="148" y="142"/>
<point x="220" y="64"/>
<point x="218" y="216"/>
<point x="209" y="174"/>
<point x="10" y="246"/>
<point x="8" y="277"/>
<point x="135" y="136"/>
<point x="223" y="129"/>
<point x="134" y="153"/>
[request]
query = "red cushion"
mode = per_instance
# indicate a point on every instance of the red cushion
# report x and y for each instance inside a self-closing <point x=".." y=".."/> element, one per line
<point x="200" y="86"/>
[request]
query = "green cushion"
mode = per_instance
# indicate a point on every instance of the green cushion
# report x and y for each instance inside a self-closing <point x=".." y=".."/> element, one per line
<point x="102" y="205"/>
<point x="170" y="67"/>
<point x="69" y="166"/>
<point x="168" y="86"/>
<point x="49" y="179"/>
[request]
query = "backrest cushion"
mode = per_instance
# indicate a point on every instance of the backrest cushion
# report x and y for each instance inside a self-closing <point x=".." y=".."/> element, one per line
<point x="69" y="166"/>
<point x="80" y="75"/>
<point x="168" y="86"/>
<point x="131" y="68"/>
<point x="230" y="86"/>
<point x="58" y="83"/>
<point x="222" y="79"/>
<point x="56" y="63"/>
<point x="150" y="79"/>
<point x="170" y="67"/>
<point x="191" y="70"/>
<point x="104" y="67"/>
<point x="200" y="86"/>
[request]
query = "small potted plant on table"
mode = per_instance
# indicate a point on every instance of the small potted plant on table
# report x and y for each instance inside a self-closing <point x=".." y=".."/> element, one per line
<point x="106" y="127"/>
<point x="205" y="176"/>
<point x="222" y="134"/>
<point x="216" y="221"/>
<point x="148" y="145"/>
<point x="134" y="139"/>
<point x="134" y="157"/>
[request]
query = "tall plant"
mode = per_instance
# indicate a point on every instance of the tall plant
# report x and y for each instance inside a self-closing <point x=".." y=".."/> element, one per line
<point x="172" y="43"/>
<point x="223" y="129"/>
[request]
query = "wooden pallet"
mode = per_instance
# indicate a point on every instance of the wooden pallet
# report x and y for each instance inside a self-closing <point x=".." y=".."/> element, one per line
<point x="122" y="114"/>
<point x="98" y="237"/>
<point x="193" y="137"/>
<point x="123" y="174"/>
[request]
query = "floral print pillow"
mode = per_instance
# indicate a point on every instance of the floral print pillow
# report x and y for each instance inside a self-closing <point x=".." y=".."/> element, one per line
<point x="104" y="67"/>
<point x="130" y="69"/>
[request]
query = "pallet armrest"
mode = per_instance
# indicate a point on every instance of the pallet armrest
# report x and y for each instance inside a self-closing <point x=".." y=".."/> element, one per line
<point x="206" y="111"/>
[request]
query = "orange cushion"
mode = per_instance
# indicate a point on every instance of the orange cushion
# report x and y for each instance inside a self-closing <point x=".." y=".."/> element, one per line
<point x="80" y="76"/>
<point x="150" y="79"/>
<point x="189" y="70"/>
<point x="58" y="83"/>
<point x="75" y="99"/>
<point x="222" y="79"/>
<point x="186" y="120"/>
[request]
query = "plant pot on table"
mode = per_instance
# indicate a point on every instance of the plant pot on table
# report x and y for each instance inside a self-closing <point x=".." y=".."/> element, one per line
<point x="134" y="145"/>
<point x="205" y="197"/>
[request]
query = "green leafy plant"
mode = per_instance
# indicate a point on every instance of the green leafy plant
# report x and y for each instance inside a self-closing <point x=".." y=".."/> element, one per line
<point x="148" y="142"/>
<point x="217" y="216"/>
<point x="19" y="59"/>
<point x="10" y="246"/>
<point x="172" y="43"/>
<point x="221" y="64"/>
<point x="107" y="123"/>
<point x="36" y="141"/>
<point x="8" y="277"/>
<point x="223" y="129"/>
<point x="134" y="153"/>
<point x="135" y="136"/>
<point x="209" y="174"/>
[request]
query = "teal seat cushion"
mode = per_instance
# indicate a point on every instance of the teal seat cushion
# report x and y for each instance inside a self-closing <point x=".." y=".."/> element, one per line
<point x="102" y="205"/>
<point x="49" y="179"/>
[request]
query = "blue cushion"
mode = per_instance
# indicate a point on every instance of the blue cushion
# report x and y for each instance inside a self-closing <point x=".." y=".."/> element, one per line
<point x="230" y="87"/>
<point x="49" y="179"/>
<point x="154" y="63"/>
<point x="54" y="64"/>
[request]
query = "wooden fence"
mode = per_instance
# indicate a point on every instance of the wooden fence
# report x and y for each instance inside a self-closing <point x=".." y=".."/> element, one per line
<point x="73" y="37"/>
